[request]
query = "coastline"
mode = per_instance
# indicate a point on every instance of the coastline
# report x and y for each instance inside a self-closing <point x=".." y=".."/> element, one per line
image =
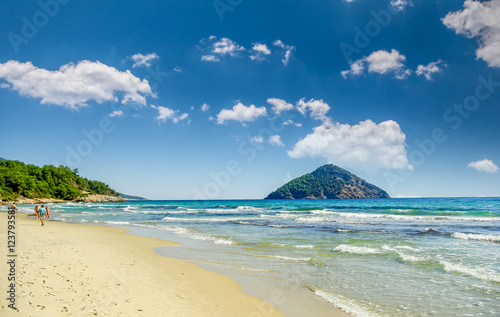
<point x="66" y="269"/>
<point x="97" y="198"/>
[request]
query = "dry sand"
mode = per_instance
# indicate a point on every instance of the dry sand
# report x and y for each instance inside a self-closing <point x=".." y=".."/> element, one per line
<point x="87" y="270"/>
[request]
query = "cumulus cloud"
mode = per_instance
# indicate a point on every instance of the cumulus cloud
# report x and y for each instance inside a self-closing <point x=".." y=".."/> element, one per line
<point x="316" y="108"/>
<point x="165" y="113"/>
<point x="72" y="86"/>
<point x="428" y="69"/>
<point x="400" y="5"/>
<point x="205" y="107"/>
<point x="275" y="140"/>
<point x="367" y="145"/>
<point x="257" y="139"/>
<point x="117" y="113"/>
<point x="209" y="58"/>
<point x="288" y="50"/>
<point x="222" y="47"/>
<point x="241" y="113"/>
<point x="143" y="60"/>
<point x="279" y="105"/>
<point x="178" y="69"/>
<point x="479" y="20"/>
<point x="485" y="165"/>
<point x="214" y="49"/>
<point x="380" y="62"/>
<point x="290" y="122"/>
<point x="259" y="52"/>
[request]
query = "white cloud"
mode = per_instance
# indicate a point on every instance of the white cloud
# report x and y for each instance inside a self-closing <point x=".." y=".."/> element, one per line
<point x="178" y="69"/>
<point x="400" y="5"/>
<point x="72" y="86"/>
<point x="260" y="51"/>
<point x="479" y="20"/>
<point x="367" y="145"/>
<point x="117" y="113"/>
<point x="485" y="165"/>
<point x="288" y="51"/>
<point x="180" y="118"/>
<point x="209" y="58"/>
<point x="205" y="107"/>
<point x="357" y="68"/>
<point x="143" y="60"/>
<point x="257" y="139"/>
<point x="380" y="62"/>
<point x="428" y="69"/>
<point x="261" y="48"/>
<point x="165" y="113"/>
<point x="226" y="46"/>
<point x="275" y="140"/>
<point x="317" y="108"/>
<point x="241" y="113"/>
<point x="279" y="105"/>
<point x="290" y="122"/>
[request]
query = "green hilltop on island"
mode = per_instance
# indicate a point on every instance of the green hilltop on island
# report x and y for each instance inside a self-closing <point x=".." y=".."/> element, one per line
<point x="28" y="183"/>
<point x="328" y="182"/>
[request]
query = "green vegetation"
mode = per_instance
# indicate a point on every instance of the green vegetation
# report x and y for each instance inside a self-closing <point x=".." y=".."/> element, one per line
<point x="328" y="182"/>
<point x="30" y="181"/>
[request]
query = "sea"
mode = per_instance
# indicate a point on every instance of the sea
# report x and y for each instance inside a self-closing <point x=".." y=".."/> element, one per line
<point x="368" y="257"/>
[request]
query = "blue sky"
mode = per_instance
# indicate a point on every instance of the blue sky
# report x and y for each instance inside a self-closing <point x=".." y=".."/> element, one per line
<point x="230" y="99"/>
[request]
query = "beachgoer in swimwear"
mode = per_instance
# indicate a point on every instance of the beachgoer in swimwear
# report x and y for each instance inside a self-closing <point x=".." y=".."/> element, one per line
<point x="47" y="210"/>
<point x="13" y="206"/>
<point x="37" y="212"/>
<point x="42" y="214"/>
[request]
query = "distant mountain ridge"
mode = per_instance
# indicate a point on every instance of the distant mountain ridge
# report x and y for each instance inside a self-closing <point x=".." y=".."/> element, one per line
<point x="130" y="197"/>
<point x="328" y="182"/>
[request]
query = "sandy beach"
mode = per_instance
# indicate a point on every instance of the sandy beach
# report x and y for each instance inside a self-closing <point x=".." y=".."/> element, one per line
<point x="66" y="269"/>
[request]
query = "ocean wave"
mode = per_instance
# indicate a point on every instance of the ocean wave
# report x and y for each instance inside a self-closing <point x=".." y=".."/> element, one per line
<point x="307" y="246"/>
<point x="345" y="304"/>
<point x="346" y="248"/>
<point x="282" y="257"/>
<point x="473" y="236"/>
<point x="186" y="233"/>
<point x="117" y="222"/>
<point x="479" y="273"/>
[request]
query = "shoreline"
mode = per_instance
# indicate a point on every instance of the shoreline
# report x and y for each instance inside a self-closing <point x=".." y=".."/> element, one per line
<point x="96" y="198"/>
<point x="66" y="269"/>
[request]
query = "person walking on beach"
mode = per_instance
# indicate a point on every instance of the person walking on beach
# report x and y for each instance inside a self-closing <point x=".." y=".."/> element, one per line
<point x="42" y="214"/>
<point x="13" y="206"/>
<point x="47" y="210"/>
<point x="37" y="212"/>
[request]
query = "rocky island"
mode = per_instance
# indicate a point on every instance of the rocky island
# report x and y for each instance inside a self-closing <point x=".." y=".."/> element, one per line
<point x="328" y="182"/>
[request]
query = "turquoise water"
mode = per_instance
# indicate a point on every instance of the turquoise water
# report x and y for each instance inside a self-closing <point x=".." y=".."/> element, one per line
<point x="385" y="257"/>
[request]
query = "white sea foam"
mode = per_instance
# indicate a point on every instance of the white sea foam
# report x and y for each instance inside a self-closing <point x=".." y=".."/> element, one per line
<point x="183" y="232"/>
<point x="118" y="222"/>
<point x="347" y="305"/>
<point x="345" y="248"/>
<point x="479" y="273"/>
<point x="343" y="230"/>
<point x="281" y="257"/>
<point x="304" y="246"/>
<point x="472" y="236"/>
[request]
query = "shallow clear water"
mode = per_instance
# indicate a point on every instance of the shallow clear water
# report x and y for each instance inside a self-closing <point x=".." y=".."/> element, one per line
<point x="397" y="257"/>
